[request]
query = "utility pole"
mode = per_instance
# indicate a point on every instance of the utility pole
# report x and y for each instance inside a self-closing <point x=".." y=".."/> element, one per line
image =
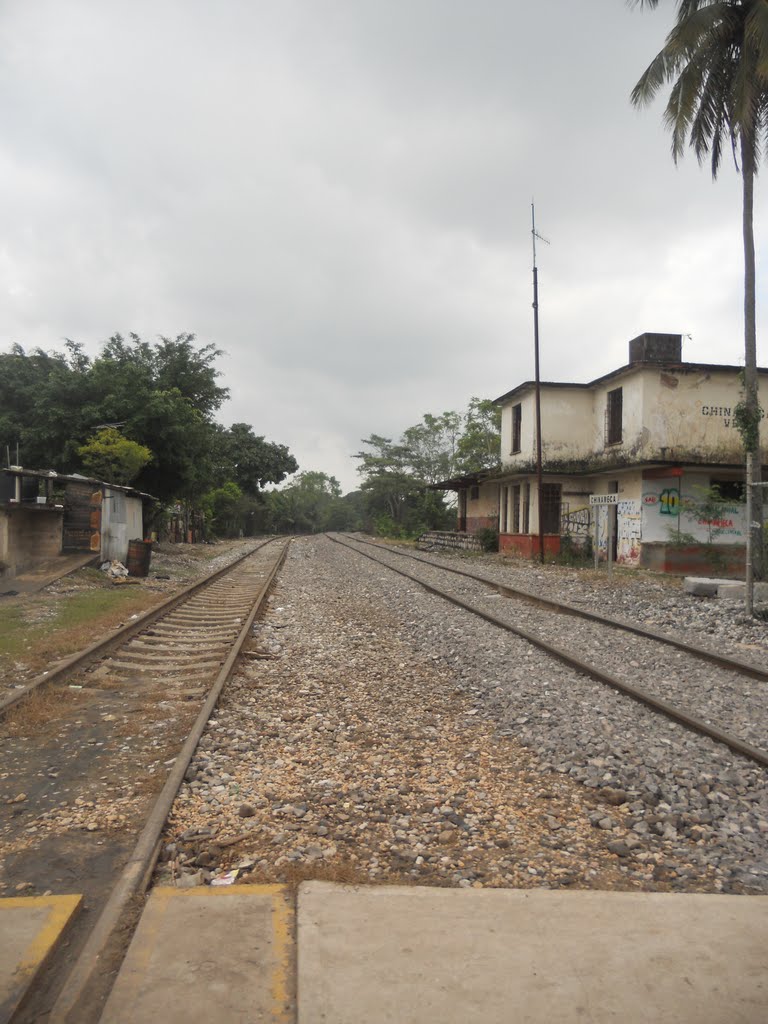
<point x="539" y="473"/>
<point x="749" y="574"/>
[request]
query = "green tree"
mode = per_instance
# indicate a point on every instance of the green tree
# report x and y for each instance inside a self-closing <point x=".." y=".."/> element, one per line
<point x="223" y="509"/>
<point x="308" y="505"/>
<point x="111" y="457"/>
<point x="387" y="480"/>
<point x="44" y="401"/>
<point x="396" y="500"/>
<point x="163" y="396"/>
<point x="479" y="445"/>
<point x="716" y="56"/>
<point x="251" y="461"/>
<point x="430" y="446"/>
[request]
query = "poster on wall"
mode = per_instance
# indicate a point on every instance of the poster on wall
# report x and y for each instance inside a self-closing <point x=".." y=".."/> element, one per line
<point x="629" y="526"/>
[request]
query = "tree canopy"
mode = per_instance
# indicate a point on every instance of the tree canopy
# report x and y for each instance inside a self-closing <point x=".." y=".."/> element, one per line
<point x="110" y="456"/>
<point x="159" y="396"/>
<point x="396" y="474"/>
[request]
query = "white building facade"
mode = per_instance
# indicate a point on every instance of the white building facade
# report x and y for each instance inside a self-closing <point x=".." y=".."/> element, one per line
<point x="659" y="433"/>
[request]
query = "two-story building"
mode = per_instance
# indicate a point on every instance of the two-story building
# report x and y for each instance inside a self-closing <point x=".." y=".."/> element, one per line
<point x="658" y="433"/>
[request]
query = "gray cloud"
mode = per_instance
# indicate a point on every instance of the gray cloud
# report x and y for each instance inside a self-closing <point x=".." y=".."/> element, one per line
<point x="337" y="193"/>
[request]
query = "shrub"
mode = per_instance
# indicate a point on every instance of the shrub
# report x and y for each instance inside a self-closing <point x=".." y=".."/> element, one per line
<point x="488" y="537"/>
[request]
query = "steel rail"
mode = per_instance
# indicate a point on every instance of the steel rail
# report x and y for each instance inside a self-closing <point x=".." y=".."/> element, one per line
<point x="74" y="662"/>
<point x="704" y="653"/>
<point x="69" y="1006"/>
<point x="677" y="714"/>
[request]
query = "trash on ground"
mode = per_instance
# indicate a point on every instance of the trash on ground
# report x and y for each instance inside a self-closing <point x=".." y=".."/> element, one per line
<point x="227" y="878"/>
<point x="115" y="569"/>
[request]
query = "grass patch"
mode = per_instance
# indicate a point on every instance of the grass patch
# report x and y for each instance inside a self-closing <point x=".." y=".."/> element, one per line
<point x="33" y="715"/>
<point x="45" y="627"/>
<point x="36" y="629"/>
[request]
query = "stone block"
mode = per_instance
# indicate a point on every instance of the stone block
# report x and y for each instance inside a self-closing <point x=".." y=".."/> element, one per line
<point x="734" y="590"/>
<point x="701" y="586"/>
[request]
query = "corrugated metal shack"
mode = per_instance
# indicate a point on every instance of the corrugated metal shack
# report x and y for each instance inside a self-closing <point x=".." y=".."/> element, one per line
<point x="44" y="514"/>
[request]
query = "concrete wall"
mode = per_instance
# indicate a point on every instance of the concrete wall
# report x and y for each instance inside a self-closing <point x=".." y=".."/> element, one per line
<point x="482" y="512"/>
<point x="566" y="425"/>
<point x="673" y="506"/>
<point x="690" y="413"/>
<point x="28" y="535"/>
<point x="449" y="540"/>
<point x="475" y="523"/>
<point x="696" y="560"/>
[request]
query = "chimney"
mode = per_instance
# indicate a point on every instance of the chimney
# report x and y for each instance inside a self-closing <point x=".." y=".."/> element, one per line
<point x="656" y="348"/>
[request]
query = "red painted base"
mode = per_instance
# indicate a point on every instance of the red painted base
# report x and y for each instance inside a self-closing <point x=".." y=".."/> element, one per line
<point x="718" y="560"/>
<point x="526" y="545"/>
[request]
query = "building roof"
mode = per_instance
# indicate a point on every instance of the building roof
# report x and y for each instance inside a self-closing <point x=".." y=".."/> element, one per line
<point x="78" y="478"/>
<point x="627" y="368"/>
<point x="456" y="483"/>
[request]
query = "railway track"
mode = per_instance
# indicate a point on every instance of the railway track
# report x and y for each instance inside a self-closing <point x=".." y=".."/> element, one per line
<point x="711" y="704"/>
<point x="323" y="723"/>
<point x="104" y="764"/>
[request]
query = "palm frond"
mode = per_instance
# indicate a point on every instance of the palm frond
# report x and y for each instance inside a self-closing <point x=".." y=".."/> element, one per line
<point x="660" y="71"/>
<point x="756" y="36"/>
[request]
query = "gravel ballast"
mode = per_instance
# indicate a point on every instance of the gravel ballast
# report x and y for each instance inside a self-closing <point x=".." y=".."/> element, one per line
<point x="377" y="733"/>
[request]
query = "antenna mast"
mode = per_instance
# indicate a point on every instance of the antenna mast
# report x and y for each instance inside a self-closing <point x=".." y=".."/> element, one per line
<point x="539" y="472"/>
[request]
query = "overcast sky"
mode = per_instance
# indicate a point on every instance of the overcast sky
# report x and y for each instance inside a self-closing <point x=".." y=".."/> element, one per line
<point x="337" y="193"/>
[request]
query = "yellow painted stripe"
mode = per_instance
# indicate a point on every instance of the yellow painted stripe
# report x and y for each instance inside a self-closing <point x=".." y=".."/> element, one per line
<point x="60" y="910"/>
<point x="284" y="957"/>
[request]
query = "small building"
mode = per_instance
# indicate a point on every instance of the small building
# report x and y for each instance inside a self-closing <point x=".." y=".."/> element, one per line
<point x="658" y="433"/>
<point x="44" y="514"/>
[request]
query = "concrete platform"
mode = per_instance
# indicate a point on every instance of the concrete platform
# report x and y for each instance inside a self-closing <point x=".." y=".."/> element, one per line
<point x="30" y="928"/>
<point x="413" y="956"/>
<point x="45" y="572"/>
<point x="206" y="955"/>
<point x="409" y="955"/>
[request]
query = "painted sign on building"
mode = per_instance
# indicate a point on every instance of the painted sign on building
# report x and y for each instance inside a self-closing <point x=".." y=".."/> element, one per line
<point x="673" y="508"/>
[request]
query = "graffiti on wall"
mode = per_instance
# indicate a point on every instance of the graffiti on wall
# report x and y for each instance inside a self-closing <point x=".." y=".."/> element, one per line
<point x="629" y="526"/>
<point x="669" y="511"/>
<point x="628" y="530"/>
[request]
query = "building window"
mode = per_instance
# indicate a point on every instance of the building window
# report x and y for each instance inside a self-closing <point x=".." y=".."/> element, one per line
<point x="527" y="508"/>
<point x="613" y="416"/>
<point x="551" y="496"/>
<point x="517" y="425"/>
<point x="728" y="490"/>
<point x="474" y="493"/>
<point x="502" y="510"/>
<point x="516" y="509"/>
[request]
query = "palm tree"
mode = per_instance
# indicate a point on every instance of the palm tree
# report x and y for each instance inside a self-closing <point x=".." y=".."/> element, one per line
<point x="716" y="56"/>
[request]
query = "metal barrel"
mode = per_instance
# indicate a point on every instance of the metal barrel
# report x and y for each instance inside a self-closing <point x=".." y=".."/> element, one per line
<point x="139" y="555"/>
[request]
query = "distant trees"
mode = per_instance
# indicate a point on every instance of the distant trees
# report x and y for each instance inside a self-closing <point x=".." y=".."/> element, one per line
<point x="396" y="474"/>
<point x="312" y="503"/>
<point x="143" y="413"/>
<point x="140" y="412"/>
<point x="225" y="510"/>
